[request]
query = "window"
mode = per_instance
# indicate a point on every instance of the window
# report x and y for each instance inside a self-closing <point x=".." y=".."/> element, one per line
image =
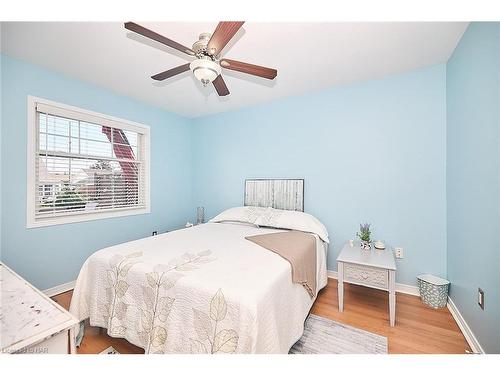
<point x="83" y="165"/>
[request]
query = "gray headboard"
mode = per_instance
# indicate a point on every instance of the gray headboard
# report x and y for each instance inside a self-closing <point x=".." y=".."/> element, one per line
<point x="285" y="194"/>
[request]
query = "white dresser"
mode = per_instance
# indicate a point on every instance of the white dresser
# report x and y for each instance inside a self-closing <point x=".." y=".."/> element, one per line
<point x="372" y="268"/>
<point x="30" y="322"/>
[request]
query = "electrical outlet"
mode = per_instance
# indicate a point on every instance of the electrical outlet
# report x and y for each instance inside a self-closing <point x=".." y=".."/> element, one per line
<point x="399" y="252"/>
<point x="480" y="298"/>
<point x="155" y="232"/>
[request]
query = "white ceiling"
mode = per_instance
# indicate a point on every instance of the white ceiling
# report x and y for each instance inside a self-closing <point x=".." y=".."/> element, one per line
<point x="308" y="56"/>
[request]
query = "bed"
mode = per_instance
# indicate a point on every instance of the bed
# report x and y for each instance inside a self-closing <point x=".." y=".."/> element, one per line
<point x="204" y="289"/>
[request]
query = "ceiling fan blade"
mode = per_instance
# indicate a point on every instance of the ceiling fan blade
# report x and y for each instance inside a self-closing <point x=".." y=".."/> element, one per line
<point x="171" y="72"/>
<point x="223" y="33"/>
<point x="220" y="86"/>
<point x="157" y="37"/>
<point x="255" y="70"/>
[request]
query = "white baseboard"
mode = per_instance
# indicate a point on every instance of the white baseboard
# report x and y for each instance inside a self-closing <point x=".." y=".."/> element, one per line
<point x="400" y="288"/>
<point x="58" y="289"/>
<point x="464" y="327"/>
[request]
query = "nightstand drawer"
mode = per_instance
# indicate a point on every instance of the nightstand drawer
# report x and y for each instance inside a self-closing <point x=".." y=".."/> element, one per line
<point x="365" y="275"/>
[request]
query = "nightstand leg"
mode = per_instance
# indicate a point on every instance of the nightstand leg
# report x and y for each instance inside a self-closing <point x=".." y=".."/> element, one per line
<point x="392" y="297"/>
<point x="340" y="266"/>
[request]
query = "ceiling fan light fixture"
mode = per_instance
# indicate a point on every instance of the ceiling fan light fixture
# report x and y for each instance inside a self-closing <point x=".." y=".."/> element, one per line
<point x="205" y="70"/>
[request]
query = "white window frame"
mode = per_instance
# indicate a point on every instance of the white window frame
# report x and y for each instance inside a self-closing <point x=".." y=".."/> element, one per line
<point x="31" y="220"/>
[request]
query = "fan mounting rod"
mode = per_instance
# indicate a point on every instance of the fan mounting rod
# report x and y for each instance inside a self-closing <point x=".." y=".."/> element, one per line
<point x="200" y="46"/>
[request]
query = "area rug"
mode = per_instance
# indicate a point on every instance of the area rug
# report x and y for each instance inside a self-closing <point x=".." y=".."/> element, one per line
<point x="325" y="336"/>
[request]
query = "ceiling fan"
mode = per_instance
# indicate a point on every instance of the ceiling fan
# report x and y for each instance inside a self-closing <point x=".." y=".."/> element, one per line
<point x="207" y="66"/>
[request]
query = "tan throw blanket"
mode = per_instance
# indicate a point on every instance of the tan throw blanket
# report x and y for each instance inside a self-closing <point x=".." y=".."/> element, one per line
<point x="299" y="249"/>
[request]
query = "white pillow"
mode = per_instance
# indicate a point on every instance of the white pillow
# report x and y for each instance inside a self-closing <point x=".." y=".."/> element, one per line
<point x="246" y="214"/>
<point x="295" y="220"/>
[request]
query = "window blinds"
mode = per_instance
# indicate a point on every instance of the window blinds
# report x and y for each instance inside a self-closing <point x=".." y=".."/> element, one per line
<point x="87" y="164"/>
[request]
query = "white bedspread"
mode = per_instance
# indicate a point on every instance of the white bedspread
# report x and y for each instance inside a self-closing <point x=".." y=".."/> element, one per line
<point x="199" y="290"/>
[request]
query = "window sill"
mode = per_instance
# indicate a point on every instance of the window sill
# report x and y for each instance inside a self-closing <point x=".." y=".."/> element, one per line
<point x="46" y="222"/>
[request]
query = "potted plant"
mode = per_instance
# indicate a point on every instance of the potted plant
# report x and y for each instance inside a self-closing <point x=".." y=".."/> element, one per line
<point x="364" y="235"/>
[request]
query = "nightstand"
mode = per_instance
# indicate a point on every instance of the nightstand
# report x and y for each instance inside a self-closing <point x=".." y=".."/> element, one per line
<point x="372" y="268"/>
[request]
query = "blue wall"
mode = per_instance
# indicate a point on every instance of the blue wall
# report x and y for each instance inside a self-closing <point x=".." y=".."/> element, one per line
<point x="372" y="152"/>
<point x="473" y="179"/>
<point x="53" y="255"/>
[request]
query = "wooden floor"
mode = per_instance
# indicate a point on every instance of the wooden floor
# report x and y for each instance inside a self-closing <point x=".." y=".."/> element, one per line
<point x="418" y="329"/>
